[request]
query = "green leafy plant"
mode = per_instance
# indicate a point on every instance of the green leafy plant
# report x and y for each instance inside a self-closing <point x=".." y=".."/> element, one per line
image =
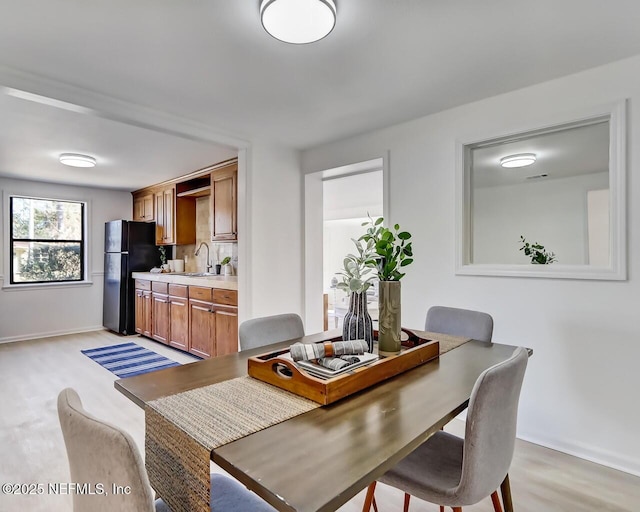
<point x="225" y="261"/>
<point x="163" y="254"/>
<point x="392" y="249"/>
<point x="537" y="253"/>
<point x="355" y="274"/>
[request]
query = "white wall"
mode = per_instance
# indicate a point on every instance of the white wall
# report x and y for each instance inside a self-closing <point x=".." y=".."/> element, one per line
<point x="45" y="311"/>
<point x="274" y="213"/>
<point x="552" y="212"/>
<point x="580" y="392"/>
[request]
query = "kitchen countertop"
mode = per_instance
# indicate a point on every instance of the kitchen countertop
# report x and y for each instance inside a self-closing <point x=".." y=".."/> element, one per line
<point x="221" y="282"/>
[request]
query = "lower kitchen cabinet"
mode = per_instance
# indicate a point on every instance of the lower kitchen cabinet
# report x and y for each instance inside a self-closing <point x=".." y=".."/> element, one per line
<point x="160" y="317"/>
<point x="179" y="317"/>
<point x="226" y="327"/>
<point x="143" y="307"/>
<point x="196" y="319"/>
<point x="159" y="312"/>
<point x="202" y="328"/>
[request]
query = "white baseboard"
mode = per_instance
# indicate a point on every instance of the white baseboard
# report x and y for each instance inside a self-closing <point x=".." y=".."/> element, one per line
<point x="590" y="453"/>
<point x="49" y="334"/>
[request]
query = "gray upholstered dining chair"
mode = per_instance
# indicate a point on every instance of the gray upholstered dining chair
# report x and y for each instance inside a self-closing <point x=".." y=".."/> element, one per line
<point x="449" y="471"/>
<point x="266" y="330"/>
<point x="459" y="322"/>
<point x="102" y="453"/>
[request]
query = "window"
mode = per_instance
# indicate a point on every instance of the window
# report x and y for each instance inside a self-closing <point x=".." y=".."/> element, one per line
<point x="46" y="239"/>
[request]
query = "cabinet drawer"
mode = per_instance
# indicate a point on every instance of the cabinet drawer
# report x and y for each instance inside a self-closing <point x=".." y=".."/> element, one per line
<point x="179" y="290"/>
<point x="141" y="284"/>
<point x="229" y="297"/>
<point x="159" y="287"/>
<point x="200" y="293"/>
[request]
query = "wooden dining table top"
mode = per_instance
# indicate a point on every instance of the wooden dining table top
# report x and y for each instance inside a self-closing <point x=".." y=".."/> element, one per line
<point x="317" y="461"/>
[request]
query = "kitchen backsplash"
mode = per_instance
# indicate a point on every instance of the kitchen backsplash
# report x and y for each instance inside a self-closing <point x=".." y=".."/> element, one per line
<point x="219" y="251"/>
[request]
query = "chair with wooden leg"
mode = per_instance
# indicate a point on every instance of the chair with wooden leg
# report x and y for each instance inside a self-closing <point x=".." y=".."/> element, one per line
<point x="454" y="472"/>
<point x="471" y="324"/>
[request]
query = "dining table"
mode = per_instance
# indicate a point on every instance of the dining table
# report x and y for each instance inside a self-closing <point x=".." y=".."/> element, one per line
<point x="319" y="460"/>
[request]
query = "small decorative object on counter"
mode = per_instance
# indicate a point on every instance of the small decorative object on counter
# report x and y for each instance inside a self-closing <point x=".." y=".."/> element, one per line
<point x="356" y="281"/>
<point x="393" y="251"/>
<point x="228" y="269"/>
<point x="163" y="259"/>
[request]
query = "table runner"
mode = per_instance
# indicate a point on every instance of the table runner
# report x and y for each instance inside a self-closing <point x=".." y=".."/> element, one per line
<point x="181" y="430"/>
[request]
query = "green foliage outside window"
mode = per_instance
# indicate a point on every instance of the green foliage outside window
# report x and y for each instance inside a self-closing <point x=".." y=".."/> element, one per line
<point x="47" y="242"/>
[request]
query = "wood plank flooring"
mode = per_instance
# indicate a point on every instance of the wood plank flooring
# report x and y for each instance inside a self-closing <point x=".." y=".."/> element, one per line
<point x="32" y="449"/>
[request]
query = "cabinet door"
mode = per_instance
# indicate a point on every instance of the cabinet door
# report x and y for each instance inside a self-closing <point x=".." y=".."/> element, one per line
<point x="160" y="317"/>
<point x="168" y="196"/>
<point x="224" y="204"/>
<point x="141" y="314"/>
<point x="143" y="207"/>
<point x="226" y="329"/>
<point x="179" y="320"/>
<point x="146" y="314"/>
<point x="201" y="328"/>
<point x="160" y="227"/>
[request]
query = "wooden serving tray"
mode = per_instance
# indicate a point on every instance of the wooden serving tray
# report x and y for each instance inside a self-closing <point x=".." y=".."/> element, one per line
<point x="268" y="368"/>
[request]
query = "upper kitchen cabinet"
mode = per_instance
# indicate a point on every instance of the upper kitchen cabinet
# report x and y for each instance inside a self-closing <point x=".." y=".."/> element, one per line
<point x="143" y="206"/>
<point x="224" y="203"/>
<point x="175" y="217"/>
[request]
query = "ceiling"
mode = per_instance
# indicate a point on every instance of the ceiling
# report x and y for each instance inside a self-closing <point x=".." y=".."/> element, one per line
<point x="561" y="154"/>
<point x="210" y="62"/>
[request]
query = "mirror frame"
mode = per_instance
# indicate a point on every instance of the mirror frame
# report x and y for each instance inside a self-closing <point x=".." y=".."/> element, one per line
<point x="617" y="268"/>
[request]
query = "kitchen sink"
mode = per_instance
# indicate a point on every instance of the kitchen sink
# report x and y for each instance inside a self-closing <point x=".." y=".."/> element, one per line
<point x="199" y="274"/>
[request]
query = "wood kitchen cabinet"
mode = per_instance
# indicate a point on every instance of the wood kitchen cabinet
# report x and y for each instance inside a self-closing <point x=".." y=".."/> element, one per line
<point x="143" y="307"/>
<point x="160" y="312"/>
<point x="213" y="321"/>
<point x="202" y="328"/>
<point x="143" y="206"/>
<point x="224" y="204"/>
<point x="196" y="319"/>
<point x="226" y="330"/>
<point x="175" y="218"/>
<point x="179" y="316"/>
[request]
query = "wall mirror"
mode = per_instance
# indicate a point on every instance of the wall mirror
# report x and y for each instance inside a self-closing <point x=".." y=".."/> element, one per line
<point x="559" y="188"/>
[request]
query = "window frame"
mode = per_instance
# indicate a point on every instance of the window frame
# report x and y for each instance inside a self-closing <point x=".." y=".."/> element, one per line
<point x="83" y="243"/>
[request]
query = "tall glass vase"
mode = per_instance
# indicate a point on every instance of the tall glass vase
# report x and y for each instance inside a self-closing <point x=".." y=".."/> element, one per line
<point x="389" y="318"/>
<point x="357" y="322"/>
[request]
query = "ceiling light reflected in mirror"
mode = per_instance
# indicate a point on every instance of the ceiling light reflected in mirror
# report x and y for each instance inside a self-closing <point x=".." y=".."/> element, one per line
<point x="521" y="160"/>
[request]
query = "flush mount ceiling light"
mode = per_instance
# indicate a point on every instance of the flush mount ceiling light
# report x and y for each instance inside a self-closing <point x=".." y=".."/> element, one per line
<point x="298" y="21"/>
<point x="520" y="160"/>
<point x="76" y="160"/>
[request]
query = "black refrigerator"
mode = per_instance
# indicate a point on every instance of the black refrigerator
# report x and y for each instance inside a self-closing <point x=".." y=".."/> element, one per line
<point x="128" y="247"/>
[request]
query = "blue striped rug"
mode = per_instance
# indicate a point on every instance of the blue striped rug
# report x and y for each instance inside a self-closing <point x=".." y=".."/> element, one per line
<point x="128" y="359"/>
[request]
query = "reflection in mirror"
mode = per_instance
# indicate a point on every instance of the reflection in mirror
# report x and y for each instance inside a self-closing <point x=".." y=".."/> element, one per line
<point x="557" y="200"/>
<point x="548" y="202"/>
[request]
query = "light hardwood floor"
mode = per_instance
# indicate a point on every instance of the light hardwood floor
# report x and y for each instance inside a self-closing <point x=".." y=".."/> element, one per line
<point x="32" y="449"/>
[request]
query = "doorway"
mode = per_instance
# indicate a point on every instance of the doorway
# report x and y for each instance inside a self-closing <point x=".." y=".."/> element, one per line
<point x="337" y="202"/>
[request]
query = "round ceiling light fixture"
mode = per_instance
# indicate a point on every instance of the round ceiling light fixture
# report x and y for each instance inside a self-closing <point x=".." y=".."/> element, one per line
<point x="77" y="160"/>
<point x="519" y="160"/>
<point x="298" y="21"/>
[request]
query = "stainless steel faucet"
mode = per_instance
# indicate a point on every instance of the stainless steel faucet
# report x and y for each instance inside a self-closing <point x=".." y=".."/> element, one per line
<point x="209" y="266"/>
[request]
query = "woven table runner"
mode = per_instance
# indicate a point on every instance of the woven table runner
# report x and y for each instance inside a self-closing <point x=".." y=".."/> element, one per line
<point x="182" y="429"/>
<point x="447" y="342"/>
